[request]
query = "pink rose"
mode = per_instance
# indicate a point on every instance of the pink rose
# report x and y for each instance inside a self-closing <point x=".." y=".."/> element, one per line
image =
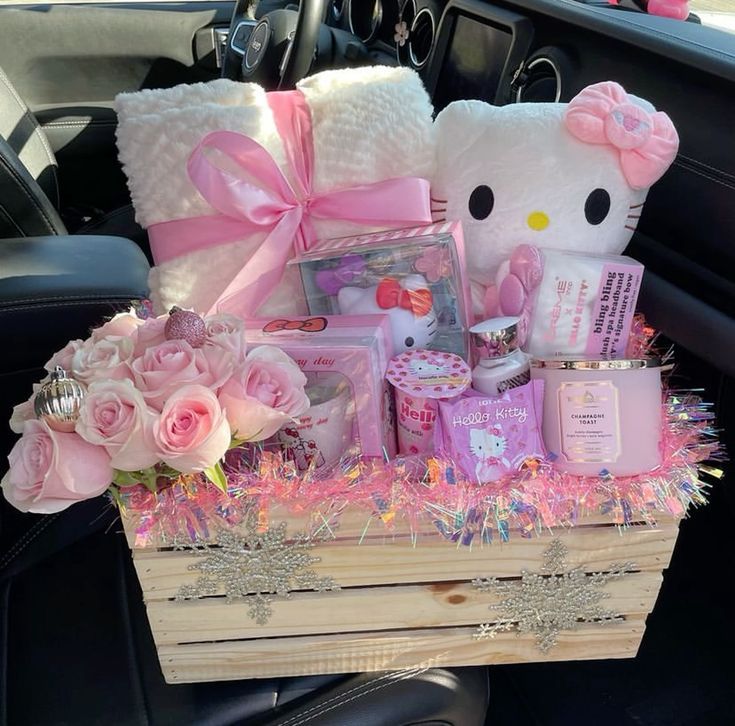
<point x="264" y="393"/>
<point x="227" y="332"/>
<point x="108" y="358"/>
<point x="123" y="325"/>
<point x="149" y="335"/>
<point x="163" y="369"/>
<point x="114" y="415"/>
<point x="64" y="357"/>
<point x="192" y="433"/>
<point x="49" y="471"/>
<point x="24" y="411"/>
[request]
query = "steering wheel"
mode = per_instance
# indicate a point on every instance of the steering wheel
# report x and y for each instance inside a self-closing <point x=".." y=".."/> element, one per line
<point x="280" y="47"/>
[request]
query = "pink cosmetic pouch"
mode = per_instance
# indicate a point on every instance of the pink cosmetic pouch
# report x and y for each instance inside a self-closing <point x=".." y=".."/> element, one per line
<point x="489" y="437"/>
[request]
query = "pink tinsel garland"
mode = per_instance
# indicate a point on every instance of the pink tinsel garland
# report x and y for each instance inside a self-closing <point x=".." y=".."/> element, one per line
<point x="410" y="491"/>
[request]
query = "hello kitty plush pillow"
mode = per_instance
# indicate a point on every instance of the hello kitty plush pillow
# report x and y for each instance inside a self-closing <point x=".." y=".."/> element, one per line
<point x="565" y="176"/>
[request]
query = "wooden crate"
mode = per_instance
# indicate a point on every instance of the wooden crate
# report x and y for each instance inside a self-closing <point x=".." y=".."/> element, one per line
<point x="402" y="603"/>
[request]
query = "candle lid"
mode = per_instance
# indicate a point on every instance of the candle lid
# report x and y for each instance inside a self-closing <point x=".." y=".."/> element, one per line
<point x="584" y="364"/>
<point x="429" y="373"/>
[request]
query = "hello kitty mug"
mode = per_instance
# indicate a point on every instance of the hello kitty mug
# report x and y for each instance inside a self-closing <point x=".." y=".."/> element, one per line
<point x="320" y="437"/>
<point x="421" y="378"/>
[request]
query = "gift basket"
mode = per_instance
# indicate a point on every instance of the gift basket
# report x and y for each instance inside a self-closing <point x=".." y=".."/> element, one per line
<point x="390" y="405"/>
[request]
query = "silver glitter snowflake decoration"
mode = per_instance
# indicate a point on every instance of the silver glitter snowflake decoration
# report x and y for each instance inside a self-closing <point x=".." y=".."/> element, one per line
<point x="255" y="566"/>
<point x="546" y="603"/>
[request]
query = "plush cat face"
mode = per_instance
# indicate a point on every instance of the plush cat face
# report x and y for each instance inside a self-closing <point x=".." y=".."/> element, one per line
<point x="525" y="174"/>
<point x="485" y="444"/>
<point x="408" y="303"/>
<point x="515" y="175"/>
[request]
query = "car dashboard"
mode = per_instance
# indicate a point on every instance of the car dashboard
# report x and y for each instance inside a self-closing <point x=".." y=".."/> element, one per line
<point x="509" y="51"/>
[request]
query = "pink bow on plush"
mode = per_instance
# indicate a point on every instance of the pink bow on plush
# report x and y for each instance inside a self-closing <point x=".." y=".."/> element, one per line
<point x="646" y="139"/>
<point x="253" y="195"/>
<point x="514" y="293"/>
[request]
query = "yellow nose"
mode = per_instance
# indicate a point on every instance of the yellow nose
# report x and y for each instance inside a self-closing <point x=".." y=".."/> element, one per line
<point x="538" y="221"/>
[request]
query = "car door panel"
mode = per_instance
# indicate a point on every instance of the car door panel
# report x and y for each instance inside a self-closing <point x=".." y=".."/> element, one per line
<point x="74" y="60"/>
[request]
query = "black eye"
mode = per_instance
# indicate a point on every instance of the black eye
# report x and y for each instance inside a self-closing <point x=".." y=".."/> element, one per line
<point x="597" y="206"/>
<point x="409" y="342"/>
<point x="482" y="201"/>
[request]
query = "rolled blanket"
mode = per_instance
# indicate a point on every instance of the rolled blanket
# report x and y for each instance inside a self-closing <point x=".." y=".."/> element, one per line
<point x="368" y="125"/>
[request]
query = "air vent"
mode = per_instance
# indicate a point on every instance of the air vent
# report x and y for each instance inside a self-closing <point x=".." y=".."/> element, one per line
<point x="543" y="77"/>
<point x="421" y="38"/>
<point x="405" y="21"/>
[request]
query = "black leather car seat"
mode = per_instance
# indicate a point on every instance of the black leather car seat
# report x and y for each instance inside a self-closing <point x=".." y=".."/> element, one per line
<point x="29" y="184"/>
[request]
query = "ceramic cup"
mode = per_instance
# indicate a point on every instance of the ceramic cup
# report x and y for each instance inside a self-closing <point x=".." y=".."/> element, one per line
<point x="323" y="434"/>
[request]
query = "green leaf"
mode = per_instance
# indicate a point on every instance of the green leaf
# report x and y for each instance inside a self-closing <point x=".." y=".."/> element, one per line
<point x="147" y="477"/>
<point x="216" y="475"/>
<point x="126" y="478"/>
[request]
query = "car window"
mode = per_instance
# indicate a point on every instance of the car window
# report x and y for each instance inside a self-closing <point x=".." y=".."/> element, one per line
<point x="715" y="13"/>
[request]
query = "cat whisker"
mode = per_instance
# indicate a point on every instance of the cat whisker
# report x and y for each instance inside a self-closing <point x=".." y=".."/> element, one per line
<point x="436" y="199"/>
<point x="438" y="219"/>
<point x="627" y="226"/>
<point x="636" y="206"/>
<point x="634" y="216"/>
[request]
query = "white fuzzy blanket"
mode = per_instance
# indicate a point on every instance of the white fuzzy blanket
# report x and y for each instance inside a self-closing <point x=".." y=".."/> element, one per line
<point x="369" y="124"/>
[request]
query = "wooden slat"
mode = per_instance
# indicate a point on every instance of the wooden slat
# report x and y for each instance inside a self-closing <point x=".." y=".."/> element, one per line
<point x="270" y="657"/>
<point x="434" y="560"/>
<point x="361" y="609"/>
<point x="358" y="524"/>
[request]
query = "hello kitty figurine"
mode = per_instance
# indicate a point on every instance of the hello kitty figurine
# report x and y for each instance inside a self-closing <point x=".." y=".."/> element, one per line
<point x="488" y="446"/>
<point x="564" y="176"/>
<point x="408" y="302"/>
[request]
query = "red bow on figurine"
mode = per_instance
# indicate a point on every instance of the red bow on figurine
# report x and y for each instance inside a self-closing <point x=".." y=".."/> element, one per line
<point x="310" y="325"/>
<point x="390" y="294"/>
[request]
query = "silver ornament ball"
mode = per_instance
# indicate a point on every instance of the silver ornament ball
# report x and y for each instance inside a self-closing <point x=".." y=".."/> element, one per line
<point x="59" y="401"/>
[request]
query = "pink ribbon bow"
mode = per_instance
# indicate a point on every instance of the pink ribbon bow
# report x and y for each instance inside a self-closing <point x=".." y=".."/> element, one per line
<point x="389" y="294"/>
<point x="259" y="198"/>
<point x="646" y="140"/>
<point x="514" y="293"/>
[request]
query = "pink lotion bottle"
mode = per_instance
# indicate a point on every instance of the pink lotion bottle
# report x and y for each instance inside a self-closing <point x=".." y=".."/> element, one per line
<point x="500" y="362"/>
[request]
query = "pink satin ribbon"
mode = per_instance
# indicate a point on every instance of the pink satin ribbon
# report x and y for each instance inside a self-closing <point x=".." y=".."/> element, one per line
<point x="261" y="199"/>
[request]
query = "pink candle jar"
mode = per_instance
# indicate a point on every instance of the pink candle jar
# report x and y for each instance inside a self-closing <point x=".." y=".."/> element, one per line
<point x="421" y="378"/>
<point x="602" y="415"/>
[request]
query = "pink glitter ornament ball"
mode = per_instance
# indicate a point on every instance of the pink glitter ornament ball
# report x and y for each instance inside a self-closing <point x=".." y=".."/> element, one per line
<point x="186" y="325"/>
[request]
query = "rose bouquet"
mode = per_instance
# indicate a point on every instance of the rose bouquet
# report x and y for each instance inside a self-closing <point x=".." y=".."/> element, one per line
<point x="145" y="399"/>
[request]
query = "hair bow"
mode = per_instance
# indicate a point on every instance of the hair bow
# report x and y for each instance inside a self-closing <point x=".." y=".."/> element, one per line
<point x="332" y="280"/>
<point x="645" y="138"/>
<point x="514" y="292"/>
<point x="390" y="294"/>
<point x="310" y="325"/>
